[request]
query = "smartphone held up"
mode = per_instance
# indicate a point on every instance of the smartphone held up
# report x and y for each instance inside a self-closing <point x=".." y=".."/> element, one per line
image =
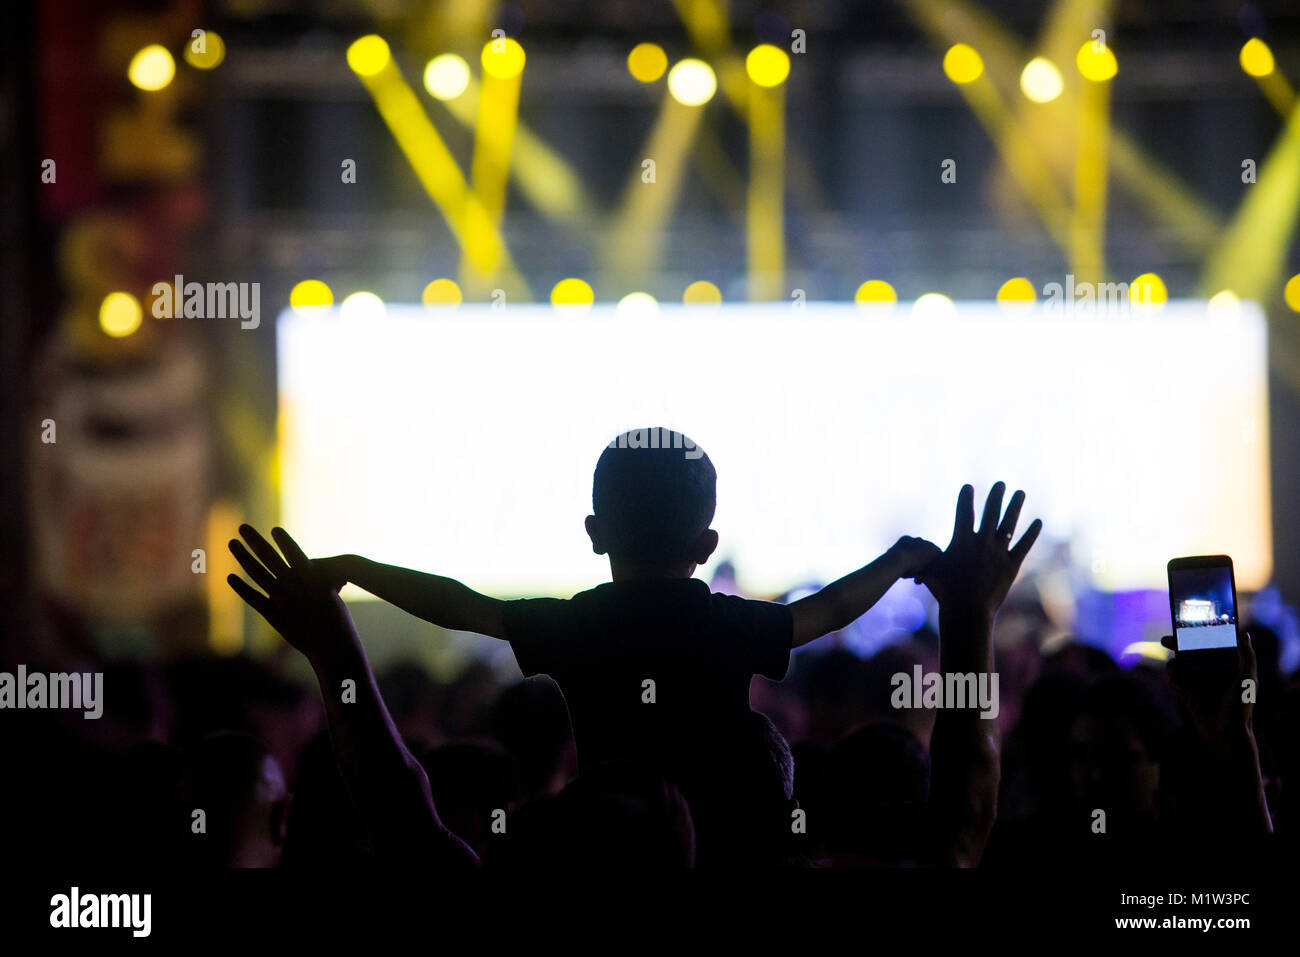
<point x="1203" y="605"/>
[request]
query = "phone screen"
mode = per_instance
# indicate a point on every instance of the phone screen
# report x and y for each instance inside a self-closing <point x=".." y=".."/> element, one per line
<point x="1204" y="607"/>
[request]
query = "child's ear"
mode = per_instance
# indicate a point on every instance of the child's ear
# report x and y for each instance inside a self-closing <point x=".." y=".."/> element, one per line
<point x="593" y="532"/>
<point x="704" y="546"/>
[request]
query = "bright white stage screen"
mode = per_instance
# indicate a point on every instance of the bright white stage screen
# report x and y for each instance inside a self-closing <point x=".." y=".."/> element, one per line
<point x="463" y="442"/>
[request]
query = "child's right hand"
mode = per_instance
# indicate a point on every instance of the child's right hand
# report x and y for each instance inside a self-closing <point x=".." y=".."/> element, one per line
<point x="913" y="555"/>
<point x="335" y="570"/>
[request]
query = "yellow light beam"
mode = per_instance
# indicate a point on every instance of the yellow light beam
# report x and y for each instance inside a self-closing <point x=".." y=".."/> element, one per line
<point x="544" y="178"/>
<point x="1257" y="62"/>
<point x="498" y="111"/>
<point x="429" y="157"/>
<point x="721" y="176"/>
<point x="767" y="67"/>
<point x="706" y="22"/>
<point x="638" y="232"/>
<point x="1162" y="194"/>
<point x="1250" y="257"/>
<point x="1075" y="137"/>
<point x="1278" y="91"/>
<point x="1027" y="168"/>
<point x="1165" y="197"/>
<point x="1092" y="147"/>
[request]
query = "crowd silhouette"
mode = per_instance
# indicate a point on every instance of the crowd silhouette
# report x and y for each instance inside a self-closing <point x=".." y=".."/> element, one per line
<point x="659" y="724"/>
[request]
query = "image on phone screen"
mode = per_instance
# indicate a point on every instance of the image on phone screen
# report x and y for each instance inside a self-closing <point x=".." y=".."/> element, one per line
<point x="1205" y="615"/>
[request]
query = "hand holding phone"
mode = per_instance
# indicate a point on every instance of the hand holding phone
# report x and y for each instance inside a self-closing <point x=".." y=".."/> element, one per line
<point x="1203" y="604"/>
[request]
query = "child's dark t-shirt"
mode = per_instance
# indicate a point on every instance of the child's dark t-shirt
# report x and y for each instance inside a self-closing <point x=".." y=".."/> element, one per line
<point x="700" y="650"/>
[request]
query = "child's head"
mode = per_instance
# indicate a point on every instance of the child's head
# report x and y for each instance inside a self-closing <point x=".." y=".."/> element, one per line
<point x="653" y="496"/>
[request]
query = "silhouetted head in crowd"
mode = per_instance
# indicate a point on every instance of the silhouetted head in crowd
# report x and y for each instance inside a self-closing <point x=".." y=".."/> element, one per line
<point x="227" y="694"/>
<point x="833" y="685"/>
<point x="1079" y="658"/>
<point x="241" y="792"/>
<point x="531" y="720"/>
<point x="414" y="701"/>
<point x="324" y="828"/>
<point x="1118" y="739"/>
<point x="613" y="818"/>
<point x="653" y="497"/>
<point x="466" y="704"/>
<point x="1038" y="753"/>
<point x="744" y="813"/>
<point x="878" y="780"/>
<point x="471" y="783"/>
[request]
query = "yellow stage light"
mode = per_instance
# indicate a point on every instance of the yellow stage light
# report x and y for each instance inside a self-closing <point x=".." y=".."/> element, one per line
<point x="120" y="314"/>
<point x="767" y="65"/>
<point x="962" y="64"/>
<point x="875" y="293"/>
<point x="310" y="297"/>
<point x="692" y="82"/>
<point x="572" y="295"/>
<point x="368" y="55"/>
<point x="503" y="58"/>
<point x="441" y="292"/>
<point x="1147" y="290"/>
<point x="1291" y="293"/>
<point x="702" y="293"/>
<point x="1096" y="62"/>
<point x="1256" y="58"/>
<point x="1041" y="81"/>
<point x="214" y="51"/>
<point x="152" y="68"/>
<point x="446" y="76"/>
<point x="647" y="62"/>
<point x="1015" y="292"/>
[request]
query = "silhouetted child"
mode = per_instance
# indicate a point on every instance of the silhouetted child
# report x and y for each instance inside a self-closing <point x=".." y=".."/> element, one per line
<point x="655" y="668"/>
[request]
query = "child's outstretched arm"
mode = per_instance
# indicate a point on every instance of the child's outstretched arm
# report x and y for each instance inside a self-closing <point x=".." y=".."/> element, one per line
<point x="387" y="783"/>
<point x="441" y="601"/>
<point x="842" y="602"/>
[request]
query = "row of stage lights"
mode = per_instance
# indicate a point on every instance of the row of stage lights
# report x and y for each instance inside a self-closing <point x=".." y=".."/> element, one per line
<point x="691" y="81"/>
<point x="121" y="313"/>
<point x="1041" y="80"/>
